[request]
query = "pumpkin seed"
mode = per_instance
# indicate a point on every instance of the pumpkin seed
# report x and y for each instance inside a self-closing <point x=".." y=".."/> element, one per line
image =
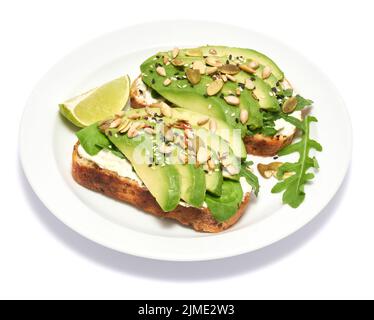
<point x="193" y="76"/>
<point x="177" y="62"/>
<point x="289" y="105"/>
<point x="194" y="53"/>
<point x="211" y="70"/>
<point x="268" y="170"/>
<point x="229" y="69"/>
<point x="161" y="71"/>
<point x="232" y="100"/>
<point x="214" y="87"/>
<point x="243" y="116"/>
<point x="199" y="65"/>
<point x="213" y="61"/>
<point x="175" y="53"/>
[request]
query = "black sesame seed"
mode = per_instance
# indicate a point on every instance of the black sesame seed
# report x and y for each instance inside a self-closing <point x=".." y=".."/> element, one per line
<point x="230" y="57"/>
<point x="153" y="81"/>
<point x="206" y="95"/>
<point x="253" y="78"/>
<point x="241" y="85"/>
<point x="274" y="89"/>
<point x="236" y="120"/>
<point x="275" y="158"/>
<point x="151" y="71"/>
<point x="227" y="61"/>
<point x="158" y="57"/>
<point x="222" y="96"/>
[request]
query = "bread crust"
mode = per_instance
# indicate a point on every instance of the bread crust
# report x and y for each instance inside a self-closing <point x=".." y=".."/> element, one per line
<point x="89" y="175"/>
<point x="258" y="144"/>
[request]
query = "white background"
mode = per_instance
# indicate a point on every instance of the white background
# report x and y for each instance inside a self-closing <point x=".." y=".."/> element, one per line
<point x="332" y="257"/>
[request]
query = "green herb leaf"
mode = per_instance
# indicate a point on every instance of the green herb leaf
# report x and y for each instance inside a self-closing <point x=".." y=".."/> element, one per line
<point x="294" y="121"/>
<point x="250" y="176"/>
<point x="92" y="139"/>
<point x="225" y="206"/>
<point x="302" y="102"/>
<point x="293" y="186"/>
<point x="288" y="92"/>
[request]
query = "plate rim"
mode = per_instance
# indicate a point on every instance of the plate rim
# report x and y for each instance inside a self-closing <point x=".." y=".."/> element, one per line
<point x="168" y="257"/>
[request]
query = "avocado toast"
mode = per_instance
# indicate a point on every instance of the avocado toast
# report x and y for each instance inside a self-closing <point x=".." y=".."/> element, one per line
<point x="180" y="150"/>
<point x="171" y="167"/>
<point x="242" y="87"/>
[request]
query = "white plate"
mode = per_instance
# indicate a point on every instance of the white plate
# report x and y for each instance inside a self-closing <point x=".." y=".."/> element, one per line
<point x="46" y="143"/>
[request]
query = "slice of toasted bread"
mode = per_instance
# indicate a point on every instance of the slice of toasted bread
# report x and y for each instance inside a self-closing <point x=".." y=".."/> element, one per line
<point x="258" y="144"/>
<point x="89" y="175"/>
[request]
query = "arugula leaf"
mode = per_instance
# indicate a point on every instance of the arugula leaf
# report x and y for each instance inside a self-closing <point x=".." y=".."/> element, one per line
<point x="293" y="186"/>
<point x="296" y="122"/>
<point x="250" y="176"/>
<point x="302" y="102"/>
<point x="225" y="206"/>
<point x="93" y="141"/>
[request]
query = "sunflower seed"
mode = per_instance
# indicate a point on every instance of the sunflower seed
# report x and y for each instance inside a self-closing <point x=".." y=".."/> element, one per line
<point x="194" y="53"/>
<point x="149" y="130"/>
<point x="231" y="78"/>
<point x="203" y="121"/>
<point x="202" y="155"/>
<point x="266" y="73"/>
<point x="167" y="82"/>
<point x="232" y="100"/>
<point x="213" y="61"/>
<point x="232" y="170"/>
<point x="247" y="68"/>
<point x="212" y="125"/>
<point x="165" y="110"/>
<point x="243" y="116"/>
<point x="253" y="64"/>
<point x="115" y="123"/>
<point x="134" y="116"/>
<point x="161" y="71"/>
<point x="249" y="84"/>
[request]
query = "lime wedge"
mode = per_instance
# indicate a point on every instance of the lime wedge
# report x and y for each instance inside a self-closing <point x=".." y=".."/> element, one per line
<point x="97" y="104"/>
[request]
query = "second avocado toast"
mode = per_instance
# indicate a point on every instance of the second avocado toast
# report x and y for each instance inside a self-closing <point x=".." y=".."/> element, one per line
<point x="180" y="150"/>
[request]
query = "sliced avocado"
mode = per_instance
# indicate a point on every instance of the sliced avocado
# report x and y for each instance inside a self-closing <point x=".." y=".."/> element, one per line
<point x="248" y="54"/>
<point x="192" y="183"/>
<point x="214" y="180"/>
<point x="163" y="182"/>
<point x="223" y="129"/>
<point x="181" y="93"/>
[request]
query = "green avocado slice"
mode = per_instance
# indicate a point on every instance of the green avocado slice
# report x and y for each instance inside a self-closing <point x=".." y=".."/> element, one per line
<point x="163" y="182"/>
<point x="248" y="54"/>
<point x="214" y="180"/>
